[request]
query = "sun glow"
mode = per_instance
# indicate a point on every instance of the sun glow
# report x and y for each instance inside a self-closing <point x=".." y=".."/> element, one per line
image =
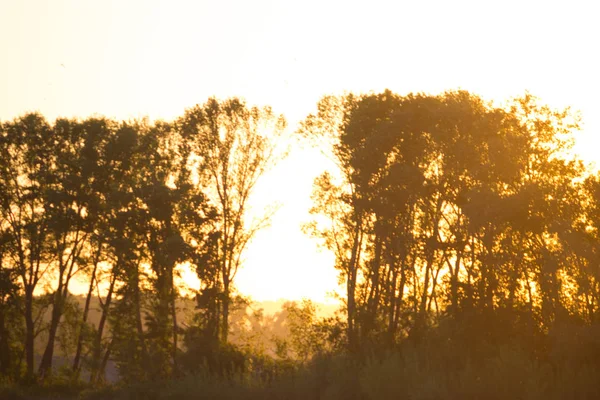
<point x="149" y="58"/>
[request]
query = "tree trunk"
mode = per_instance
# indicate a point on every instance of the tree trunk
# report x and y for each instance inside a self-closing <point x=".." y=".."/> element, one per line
<point x="431" y="250"/>
<point x="393" y="301"/>
<point x="373" y="298"/>
<point x="400" y="301"/>
<point x="454" y="282"/>
<point x="98" y="339"/>
<point x="29" y="332"/>
<point x="351" y="288"/>
<point x="86" y="309"/>
<point x="138" y="311"/>
<point x="225" y="321"/>
<point x="102" y="370"/>
<point x="4" y="348"/>
<point x="174" y="317"/>
<point x="5" y="360"/>
<point x="46" y="363"/>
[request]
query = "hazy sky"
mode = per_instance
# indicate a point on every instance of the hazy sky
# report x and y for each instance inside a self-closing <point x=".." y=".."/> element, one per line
<point x="129" y="59"/>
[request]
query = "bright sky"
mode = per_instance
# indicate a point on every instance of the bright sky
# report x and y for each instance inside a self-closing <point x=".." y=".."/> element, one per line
<point x="135" y="58"/>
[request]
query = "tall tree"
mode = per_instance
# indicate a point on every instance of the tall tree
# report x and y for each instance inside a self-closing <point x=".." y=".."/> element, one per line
<point x="66" y="204"/>
<point x="96" y="169"/>
<point x="461" y="204"/>
<point x="337" y="200"/>
<point x="28" y="151"/>
<point x="235" y="145"/>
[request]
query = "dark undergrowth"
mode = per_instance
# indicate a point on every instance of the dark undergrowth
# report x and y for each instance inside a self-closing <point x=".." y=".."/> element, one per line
<point x="563" y="364"/>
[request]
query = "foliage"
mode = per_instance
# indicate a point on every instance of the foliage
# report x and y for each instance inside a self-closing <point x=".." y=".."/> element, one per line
<point x="122" y="206"/>
<point x="465" y="235"/>
<point x="448" y="205"/>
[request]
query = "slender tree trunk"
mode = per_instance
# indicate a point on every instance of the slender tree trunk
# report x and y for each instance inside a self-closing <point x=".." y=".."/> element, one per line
<point x="470" y="273"/>
<point x="400" y="301"/>
<point x="99" y="373"/>
<point x="431" y="250"/>
<point x="351" y="288"/>
<point x="454" y="282"/>
<point x="138" y="311"/>
<point x="98" y="339"/>
<point x="373" y="297"/>
<point x="5" y="360"/>
<point x="102" y="371"/>
<point x="46" y="363"/>
<point x="225" y="321"/>
<point x="394" y="299"/>
<point x="86" y="309"/>
<point x="225" y="262"/>
<point x="174" y="318"/>
<point x="514" y="275"/>
<point x="29" y="332"/>
<point x="4" y="348"/>
<point x="489" y="285"/>
<point x="351" y="311"/>
<point x="434" y="282"/>
<point x="60" y="297"/>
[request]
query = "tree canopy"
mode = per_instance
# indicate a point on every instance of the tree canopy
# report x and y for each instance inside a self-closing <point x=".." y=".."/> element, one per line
<point x="453" y="221"/>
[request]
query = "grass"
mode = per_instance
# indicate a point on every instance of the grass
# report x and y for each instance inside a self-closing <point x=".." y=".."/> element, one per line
<point x="442" y="365"/>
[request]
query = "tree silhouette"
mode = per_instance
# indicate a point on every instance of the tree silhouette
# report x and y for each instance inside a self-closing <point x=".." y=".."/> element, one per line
<point x="446" y="203"/>
<point x="235" y="145"/>
<point x="463" y="232"/>
<point x="28" y="154"/>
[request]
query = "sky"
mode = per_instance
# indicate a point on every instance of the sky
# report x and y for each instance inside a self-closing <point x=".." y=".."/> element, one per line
<point x="136" y="58"/>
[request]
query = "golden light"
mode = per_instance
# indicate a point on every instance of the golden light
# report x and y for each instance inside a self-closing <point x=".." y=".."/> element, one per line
<point x="149" y="58"/>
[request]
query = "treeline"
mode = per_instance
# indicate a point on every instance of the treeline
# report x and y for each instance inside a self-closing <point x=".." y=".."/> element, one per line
<point x="122" y="204"/>
<point x="467" y="237"/>
<point x="448" y="206"/>
<point x="461" y="230"/>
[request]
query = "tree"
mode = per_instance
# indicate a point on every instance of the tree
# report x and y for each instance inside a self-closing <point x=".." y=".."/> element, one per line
<point x="8" y="297"/>
<point x="234" y="145"/>
<point x="67" y="207"/>
<point x="96" y="167"/>
<point x="445" y="203"/>
<point x="28" y="154"/>
<point x="308" y="335"/>
<point x="338" y="202"/>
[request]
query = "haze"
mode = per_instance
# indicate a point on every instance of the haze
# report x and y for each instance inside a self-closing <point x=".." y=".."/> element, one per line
<point x="147" y="58"/>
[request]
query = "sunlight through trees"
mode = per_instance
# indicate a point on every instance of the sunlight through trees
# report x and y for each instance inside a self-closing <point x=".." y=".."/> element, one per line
<point x="459" y="229"/>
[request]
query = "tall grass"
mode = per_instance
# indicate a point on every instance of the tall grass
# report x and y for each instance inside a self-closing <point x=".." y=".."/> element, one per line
<point x="443" y="364"/>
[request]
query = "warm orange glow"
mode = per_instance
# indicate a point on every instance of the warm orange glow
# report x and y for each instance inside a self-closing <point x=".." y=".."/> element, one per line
<point x="149" y="58"/>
